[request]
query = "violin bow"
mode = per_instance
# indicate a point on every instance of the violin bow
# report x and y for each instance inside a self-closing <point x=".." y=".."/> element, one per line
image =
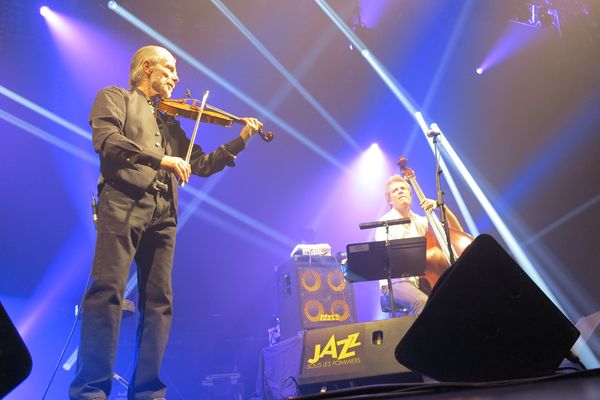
<point x="193" y="138"/>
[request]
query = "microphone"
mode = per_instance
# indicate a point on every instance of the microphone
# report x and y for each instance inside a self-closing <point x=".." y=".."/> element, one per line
<point x="94" y="211"/>
<point x="377" y="224"/>
<point x="432" y="133"/>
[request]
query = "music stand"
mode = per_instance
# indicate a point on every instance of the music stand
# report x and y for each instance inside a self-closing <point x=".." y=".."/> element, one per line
<point x="367" y="261"/>
<point x="386" y="259"/>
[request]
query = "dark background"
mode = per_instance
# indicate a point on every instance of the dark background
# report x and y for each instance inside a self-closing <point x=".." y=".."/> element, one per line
<point x="528" y="130"/>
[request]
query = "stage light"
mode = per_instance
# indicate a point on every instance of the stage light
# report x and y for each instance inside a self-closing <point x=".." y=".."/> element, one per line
<point x="44" y="11"/>
<point x="479" y="71"/>
<point x="112" y="4"/>
<point x="371" y="165"/>
<point x="537" y="14"/>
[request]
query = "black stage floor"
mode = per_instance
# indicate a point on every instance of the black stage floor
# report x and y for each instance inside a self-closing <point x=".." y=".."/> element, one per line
<point x="581" y="385"/>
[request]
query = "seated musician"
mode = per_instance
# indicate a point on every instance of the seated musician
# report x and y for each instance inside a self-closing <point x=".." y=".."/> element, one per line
<point x="398" y="194"/>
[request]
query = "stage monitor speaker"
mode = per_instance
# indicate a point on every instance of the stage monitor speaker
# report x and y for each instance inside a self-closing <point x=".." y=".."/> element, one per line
<point x="486" y="320"/>
<point x="312" y="293"/>
<point x="15" y="360"/>
<point x="354" y="355"/>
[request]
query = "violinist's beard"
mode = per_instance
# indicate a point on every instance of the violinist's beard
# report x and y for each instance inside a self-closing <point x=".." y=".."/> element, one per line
<point x="163" y="89"/>
<point x="166" y="92"/>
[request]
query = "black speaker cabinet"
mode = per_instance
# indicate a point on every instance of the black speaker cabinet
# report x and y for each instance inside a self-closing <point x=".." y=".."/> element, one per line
<point x="486" y="320"/>
<point x="15" y="360"/>
<point x="312" y="293"/>
<point x="354" y="355"/>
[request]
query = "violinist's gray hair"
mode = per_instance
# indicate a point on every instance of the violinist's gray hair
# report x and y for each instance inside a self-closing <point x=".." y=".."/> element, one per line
<point x="154" y="54"/>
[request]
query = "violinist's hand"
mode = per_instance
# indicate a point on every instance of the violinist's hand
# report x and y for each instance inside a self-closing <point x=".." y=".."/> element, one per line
<point x="252" y="125"/>
<point x="428" y="204"/>
<point x="178" y="166"/>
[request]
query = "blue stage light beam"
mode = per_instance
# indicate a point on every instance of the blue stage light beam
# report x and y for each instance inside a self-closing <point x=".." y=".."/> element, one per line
<point x="449" y="50"/>
<point x="245" y="218"/>
<point x="308" y="60"/>
<point x="45" y="113"/>
<point x="584" y="352"/>
<point x="135" y="21"/>
<point x="286" y="74"/>
<point x="94" y="159"/>
<point x="576" y="299"/>
<point x="52" y="139"/>
<point x="565" y="139"/>
<point x="383" y="73"/>
<point x="559" y="221"/>
<point x="401" y="94"/>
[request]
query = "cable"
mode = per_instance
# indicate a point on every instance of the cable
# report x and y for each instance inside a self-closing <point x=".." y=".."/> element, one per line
<point x="78" y="310"/>
<point x="77" y="314"/>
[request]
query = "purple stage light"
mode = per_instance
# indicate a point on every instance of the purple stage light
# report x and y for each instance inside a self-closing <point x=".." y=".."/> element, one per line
<point x="479" y="71"/>
<point x="371" y="165"/>
<point x="516" y="38"/>
<point x="45" y="11"/>
<point x="83" y="51"/>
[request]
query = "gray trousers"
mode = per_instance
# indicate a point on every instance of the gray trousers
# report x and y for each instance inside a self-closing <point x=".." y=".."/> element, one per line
<point x="406" y="295"/>
<point x="130" y="225"/>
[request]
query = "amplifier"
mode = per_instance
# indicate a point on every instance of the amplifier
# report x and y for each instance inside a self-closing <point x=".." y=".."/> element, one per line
<point x="312" y="293"/>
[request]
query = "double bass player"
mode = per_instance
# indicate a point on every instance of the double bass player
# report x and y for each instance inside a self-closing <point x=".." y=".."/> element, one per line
<point x="398" y="195"/>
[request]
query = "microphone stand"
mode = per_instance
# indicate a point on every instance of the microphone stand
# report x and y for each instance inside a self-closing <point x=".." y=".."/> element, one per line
<point x="440" y="194"/>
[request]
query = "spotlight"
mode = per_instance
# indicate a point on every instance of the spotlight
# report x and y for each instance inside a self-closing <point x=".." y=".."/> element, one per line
<point x="112" y="4"/>
<point x="479" y="71"/>
<point x="44" y="11"/>
<point x="372" y="165"/>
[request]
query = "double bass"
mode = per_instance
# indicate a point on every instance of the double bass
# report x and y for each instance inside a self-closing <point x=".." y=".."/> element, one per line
<point x="439" y="257"/>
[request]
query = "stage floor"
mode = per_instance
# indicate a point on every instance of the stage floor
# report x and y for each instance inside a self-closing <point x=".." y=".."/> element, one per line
<point x="582" y="385"/>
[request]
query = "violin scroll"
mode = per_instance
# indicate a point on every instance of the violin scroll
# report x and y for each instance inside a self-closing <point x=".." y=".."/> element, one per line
<point x="266" y="136"/>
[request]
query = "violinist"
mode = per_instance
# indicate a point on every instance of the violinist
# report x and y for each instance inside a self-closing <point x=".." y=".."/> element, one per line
<point x="398" y="195"/>
<point x="141" y="162"/>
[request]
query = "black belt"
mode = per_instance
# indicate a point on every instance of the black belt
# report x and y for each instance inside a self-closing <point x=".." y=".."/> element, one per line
<point x="156" y="188"/>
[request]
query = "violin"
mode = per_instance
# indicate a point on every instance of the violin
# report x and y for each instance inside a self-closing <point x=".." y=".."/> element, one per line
<point x="187" y="108"/>
<point x="438" y="254"/>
